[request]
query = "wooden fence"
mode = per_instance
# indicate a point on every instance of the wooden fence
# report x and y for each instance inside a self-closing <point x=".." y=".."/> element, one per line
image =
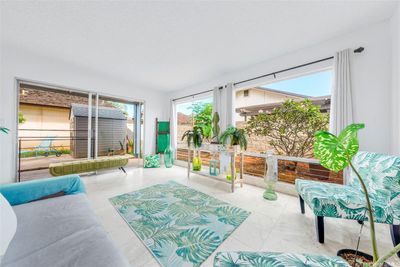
<point x="288" y="170"/>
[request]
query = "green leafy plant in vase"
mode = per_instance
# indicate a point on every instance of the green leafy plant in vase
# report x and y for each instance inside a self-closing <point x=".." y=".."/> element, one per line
<point x="336" y="153"/>
<point x="270" y="177"/>
<point x="237" y="138"/>
<point x="194" y="137"/>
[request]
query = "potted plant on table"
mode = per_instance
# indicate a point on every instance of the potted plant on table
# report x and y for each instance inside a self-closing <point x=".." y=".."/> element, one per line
<point x="195" y="137"/>
<point x="336" y="153"/>
<point x="237" y="139"/>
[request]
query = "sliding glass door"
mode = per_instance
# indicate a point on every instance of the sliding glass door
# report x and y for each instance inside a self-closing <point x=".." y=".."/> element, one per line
<point x="57" y="125"/>
<point x="117" y="124"/>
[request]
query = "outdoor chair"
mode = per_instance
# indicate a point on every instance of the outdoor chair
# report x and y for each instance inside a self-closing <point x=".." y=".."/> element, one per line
<point x="47" y="147"/>
<point x="381" y="173"/>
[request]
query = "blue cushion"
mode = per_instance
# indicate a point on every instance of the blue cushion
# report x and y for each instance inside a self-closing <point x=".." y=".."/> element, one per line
<point x="20" y="193"/>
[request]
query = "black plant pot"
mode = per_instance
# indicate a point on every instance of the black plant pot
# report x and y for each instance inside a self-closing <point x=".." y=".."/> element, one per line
<point x="341" y="253"/>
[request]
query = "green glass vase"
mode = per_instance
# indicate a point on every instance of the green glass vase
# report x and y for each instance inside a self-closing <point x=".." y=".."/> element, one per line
<point x="196" y="163"/>
<point x="168" y="157"/>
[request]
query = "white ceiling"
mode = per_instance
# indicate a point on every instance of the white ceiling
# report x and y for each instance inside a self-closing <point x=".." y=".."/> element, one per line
<point x="172" y="45"/>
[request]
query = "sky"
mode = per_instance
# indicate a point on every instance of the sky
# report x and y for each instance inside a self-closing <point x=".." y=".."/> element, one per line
<point x="316" y="84"/>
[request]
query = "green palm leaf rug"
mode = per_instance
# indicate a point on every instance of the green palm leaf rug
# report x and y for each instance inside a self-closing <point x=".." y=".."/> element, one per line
<point x="179" y="225"/>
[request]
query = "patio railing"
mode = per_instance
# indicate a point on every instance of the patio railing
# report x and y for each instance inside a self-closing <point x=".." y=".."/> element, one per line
<point x="289" y="168"/>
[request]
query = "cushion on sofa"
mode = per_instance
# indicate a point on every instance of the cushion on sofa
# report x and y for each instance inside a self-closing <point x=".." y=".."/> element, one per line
<point x="61" y="231"/>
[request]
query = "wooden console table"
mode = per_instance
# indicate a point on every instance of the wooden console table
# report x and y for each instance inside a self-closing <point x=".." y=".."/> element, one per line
<point x="221" y="177"/>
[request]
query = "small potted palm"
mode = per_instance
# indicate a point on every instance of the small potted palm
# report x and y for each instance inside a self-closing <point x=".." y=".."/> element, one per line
<point x="195" y="137"/>
<point x="336" y="153"/>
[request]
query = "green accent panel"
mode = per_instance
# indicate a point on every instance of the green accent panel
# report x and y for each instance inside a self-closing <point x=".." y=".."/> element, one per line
<point x="162" y="142"/>
<point x="273" y="259"/>
<point x="87" y="165"/>
<point x="163" y="126"/>
<point x="381" y="174"/>
<point x="179" y="225"/>
<point x="151" y="161"/>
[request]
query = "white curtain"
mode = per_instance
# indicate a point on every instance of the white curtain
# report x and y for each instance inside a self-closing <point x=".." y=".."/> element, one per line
<point x="341" y="113"/>
<point x="230" y="104"/>
<point x="217" y="100"/>
<point x="173" y="126"/>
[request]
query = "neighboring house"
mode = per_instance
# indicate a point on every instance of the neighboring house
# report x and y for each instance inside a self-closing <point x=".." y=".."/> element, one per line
<point x="47" y="114"/>
<point x="260" y="96"/>
<point x="252" y="101"/>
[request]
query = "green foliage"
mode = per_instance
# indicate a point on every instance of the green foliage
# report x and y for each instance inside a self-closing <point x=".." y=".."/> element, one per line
<point x="21" y="118"/>
<point x="194" y="136"/>
<point x="202" y="115"/>
<point x="29" y="154"/>
<point x="236" y="137"/>
<point x="335" y="153"/>
<point x="290" y="127"/>
<point x="121" y="106"/>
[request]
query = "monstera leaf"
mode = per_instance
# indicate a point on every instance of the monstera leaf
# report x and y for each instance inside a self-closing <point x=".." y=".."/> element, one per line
<point x="336" y="152"/>
<point x="196" y="244"/>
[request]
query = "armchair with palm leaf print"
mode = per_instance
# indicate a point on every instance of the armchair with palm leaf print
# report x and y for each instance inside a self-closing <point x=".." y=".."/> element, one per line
<point x="381" y="173"/>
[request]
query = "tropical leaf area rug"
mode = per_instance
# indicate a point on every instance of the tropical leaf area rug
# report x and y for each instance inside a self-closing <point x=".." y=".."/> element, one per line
<point x="179" y="225"/>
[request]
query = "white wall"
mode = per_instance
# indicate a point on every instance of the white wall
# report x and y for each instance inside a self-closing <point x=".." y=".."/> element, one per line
<point x="23" y="64"/>
<point x="395" y="33"/>
<point x="371" y="74"/>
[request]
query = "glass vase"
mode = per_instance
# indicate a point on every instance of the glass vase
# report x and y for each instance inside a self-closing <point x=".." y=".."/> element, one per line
<point x="168" y="157"/>
<point x="196" y="163"/>
<point x="213" y="166"/>
<point x="270" y="178"/>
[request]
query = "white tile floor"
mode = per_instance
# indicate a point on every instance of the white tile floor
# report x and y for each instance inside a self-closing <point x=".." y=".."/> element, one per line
<point x="272" y="226"/>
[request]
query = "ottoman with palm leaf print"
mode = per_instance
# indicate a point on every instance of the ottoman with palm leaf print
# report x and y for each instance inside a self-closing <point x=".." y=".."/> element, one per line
<point x="242" y="258"/>
<point x="381" y="174"/>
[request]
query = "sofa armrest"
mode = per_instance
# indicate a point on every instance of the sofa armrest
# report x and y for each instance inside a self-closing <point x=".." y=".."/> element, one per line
<point x="20" y="193"/>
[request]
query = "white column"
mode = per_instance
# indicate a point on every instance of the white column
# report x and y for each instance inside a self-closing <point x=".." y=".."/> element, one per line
<point x="230" y="104"/>
<point x="96" y="129"/>
<point x="89" y="137"/>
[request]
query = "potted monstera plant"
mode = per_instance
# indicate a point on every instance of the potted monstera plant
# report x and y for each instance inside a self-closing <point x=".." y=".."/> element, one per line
<point x="195" y="137"/>
<point x="336" y="153"/>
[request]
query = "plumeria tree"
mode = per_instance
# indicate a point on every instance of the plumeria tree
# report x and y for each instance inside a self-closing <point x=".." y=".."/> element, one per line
<point x="290" y="127"/>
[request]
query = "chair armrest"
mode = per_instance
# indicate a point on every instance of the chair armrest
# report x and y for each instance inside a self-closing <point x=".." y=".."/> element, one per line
<point x="24" y="192"/>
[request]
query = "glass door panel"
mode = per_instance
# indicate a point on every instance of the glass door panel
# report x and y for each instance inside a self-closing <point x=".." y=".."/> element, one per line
<point x="52" y="128"/>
